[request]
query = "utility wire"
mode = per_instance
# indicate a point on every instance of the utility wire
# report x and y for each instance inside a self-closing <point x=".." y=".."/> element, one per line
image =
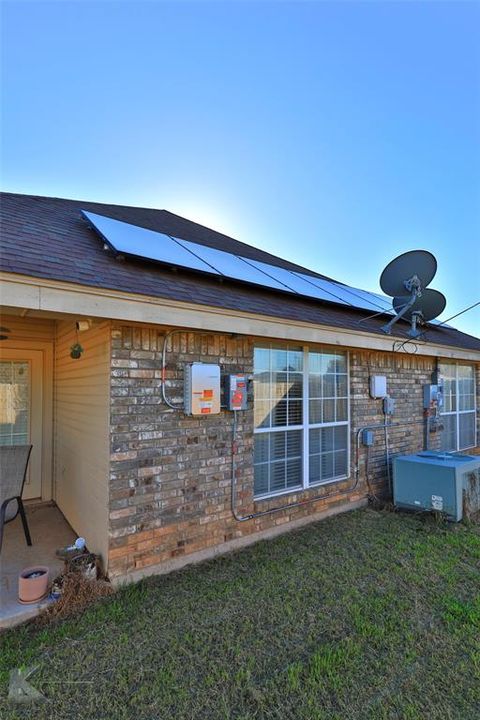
<point x="422" y="335"/>
<point x="369" y="317"/>
<point x="387" y="311"/>
<point x="459" y="313"/>
<point x="444" y="322"/>
<point x="422" y="339"/>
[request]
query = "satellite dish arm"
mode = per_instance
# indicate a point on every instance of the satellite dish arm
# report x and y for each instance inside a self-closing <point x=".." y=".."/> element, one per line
<point x="388" y="327"/>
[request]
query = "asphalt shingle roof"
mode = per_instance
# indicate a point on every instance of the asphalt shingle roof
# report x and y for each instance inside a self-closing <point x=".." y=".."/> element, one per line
<point x="47" y="238"/>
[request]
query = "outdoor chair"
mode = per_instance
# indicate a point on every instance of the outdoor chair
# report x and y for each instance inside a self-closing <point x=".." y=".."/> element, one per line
<point x="13" y="471"/>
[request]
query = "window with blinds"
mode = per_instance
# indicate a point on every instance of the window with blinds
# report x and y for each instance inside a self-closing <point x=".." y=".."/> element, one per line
<point x="301" y="418"/>
<point x="459" y="412"/>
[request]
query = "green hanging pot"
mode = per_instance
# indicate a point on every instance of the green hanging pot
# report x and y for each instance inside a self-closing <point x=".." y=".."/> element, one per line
<point x="76" y="351"/>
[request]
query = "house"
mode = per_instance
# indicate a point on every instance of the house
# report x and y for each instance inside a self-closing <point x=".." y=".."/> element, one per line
<point x="97" y="349"/>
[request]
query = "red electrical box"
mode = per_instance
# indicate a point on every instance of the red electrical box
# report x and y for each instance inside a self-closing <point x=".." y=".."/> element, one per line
<point x="236" y="392"/>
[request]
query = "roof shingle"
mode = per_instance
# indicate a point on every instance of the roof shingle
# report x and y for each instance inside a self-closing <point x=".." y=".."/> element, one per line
<point x="47" y="238"/>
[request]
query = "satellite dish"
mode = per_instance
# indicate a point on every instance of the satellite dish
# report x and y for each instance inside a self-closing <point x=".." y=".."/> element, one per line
<point x="431" y="304"/>
<point x="399" y="272"/>
<point x="406" y="279"/>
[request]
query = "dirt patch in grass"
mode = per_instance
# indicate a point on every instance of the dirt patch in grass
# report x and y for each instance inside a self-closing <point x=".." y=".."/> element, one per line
<point x="367" y="615"/>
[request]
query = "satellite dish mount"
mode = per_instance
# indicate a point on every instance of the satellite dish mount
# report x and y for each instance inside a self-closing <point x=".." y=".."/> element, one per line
<point x="411" y="273"/>
<point x="414" y="287"/>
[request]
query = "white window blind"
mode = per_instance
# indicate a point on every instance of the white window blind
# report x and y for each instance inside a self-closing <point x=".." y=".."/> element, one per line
<point x="459" y="412"/>
<point x="301" y="418"/>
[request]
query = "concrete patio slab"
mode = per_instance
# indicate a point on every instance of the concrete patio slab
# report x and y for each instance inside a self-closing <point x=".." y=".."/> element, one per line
<point x="49" y="531"/>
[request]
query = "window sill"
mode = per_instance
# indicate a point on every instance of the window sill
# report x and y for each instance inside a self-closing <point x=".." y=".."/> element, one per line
<point x="328" y="482"/>
<point x="279" y="493"/>
<point x="298" y="489"/>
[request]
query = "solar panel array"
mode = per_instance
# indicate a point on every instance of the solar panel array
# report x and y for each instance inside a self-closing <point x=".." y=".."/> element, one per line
<point x="132" y="240"/>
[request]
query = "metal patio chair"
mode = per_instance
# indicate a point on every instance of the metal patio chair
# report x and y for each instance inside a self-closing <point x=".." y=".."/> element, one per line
<point x="13" y="471"/>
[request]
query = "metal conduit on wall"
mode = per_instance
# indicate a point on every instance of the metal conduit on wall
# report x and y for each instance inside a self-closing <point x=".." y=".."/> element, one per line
<point x="324" y="496"/>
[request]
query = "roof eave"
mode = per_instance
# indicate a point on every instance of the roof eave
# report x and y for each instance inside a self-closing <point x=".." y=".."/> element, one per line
<point x="37" y="294"/>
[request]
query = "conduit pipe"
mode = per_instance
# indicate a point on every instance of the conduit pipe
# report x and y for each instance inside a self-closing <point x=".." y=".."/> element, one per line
<point x="385" y="427"/>
<point x="316" y="498"/>
<point x="251" y="516"/>
<point x="166" y="337"/>
<point x="324" y="496"/>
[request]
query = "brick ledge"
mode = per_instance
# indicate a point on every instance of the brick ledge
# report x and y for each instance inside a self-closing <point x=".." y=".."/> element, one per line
<point x="236" y="544"/>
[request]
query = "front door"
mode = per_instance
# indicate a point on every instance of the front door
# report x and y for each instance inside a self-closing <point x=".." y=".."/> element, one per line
<point x="21" y="409"/>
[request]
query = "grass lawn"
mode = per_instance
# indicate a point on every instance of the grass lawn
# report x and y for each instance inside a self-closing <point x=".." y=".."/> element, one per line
<point x="364" y="615"/>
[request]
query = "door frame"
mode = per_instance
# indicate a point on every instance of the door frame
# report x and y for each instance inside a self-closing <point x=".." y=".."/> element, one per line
<point x="46" y="348"/>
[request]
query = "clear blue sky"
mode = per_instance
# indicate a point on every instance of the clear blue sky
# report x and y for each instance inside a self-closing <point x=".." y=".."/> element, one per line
<point x="333" y="134"/>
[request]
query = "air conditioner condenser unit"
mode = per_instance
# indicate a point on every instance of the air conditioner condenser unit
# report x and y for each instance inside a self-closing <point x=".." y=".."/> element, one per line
<point x="446" y="482"/>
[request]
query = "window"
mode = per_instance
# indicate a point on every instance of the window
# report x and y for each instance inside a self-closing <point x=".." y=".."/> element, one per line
<point x="301" y="418"/>
<point x="458" y="414"/>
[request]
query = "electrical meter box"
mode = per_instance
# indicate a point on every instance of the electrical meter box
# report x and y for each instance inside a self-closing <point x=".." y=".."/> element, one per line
<point x="389" y="405"/>
<point x="236" y="388"/>
<point x="433" y="397"/>
<point x="368" y="438"/>
<point x="202" y="389"/>
<point x="378" y="386"/>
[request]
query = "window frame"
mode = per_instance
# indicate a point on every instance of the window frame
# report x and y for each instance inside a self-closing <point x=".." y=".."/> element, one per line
<point x="457" y="412"/>
<point x="306" y="426"/>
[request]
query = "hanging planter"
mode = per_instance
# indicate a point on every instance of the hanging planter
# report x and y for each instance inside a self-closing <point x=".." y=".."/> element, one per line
<point x="76" y="351"/>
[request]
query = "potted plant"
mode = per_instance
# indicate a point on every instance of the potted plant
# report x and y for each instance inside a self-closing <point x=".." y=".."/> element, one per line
<point x="76" y="351"/>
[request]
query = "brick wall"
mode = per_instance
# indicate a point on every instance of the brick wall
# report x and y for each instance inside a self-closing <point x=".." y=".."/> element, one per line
<point x="406" y="374"/>
<point x="170" y="479"/>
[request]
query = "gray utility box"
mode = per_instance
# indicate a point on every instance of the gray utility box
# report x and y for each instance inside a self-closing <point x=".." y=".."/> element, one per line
<point x="440" y="481"/>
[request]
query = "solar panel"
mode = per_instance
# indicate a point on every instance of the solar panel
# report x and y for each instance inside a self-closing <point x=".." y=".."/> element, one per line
<point x="296" y="282"/>
<point x="232" y="266"/>
<point x="380" y="302"/>
<point x="139" y="242"/>
<point x="133" y="240"/>
<point x="345" y="294"/>
<point x="329" y="287"/>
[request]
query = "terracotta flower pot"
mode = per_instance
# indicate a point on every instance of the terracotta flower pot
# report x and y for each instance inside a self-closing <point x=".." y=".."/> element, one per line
<point x="33" y="584"/>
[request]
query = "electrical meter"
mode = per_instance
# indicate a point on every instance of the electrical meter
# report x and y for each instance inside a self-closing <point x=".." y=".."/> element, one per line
<point x="433" y="397"/>
<point x="236" y="392"/>
<point x="202" y="389"/>
<point x="388" y="405"/>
